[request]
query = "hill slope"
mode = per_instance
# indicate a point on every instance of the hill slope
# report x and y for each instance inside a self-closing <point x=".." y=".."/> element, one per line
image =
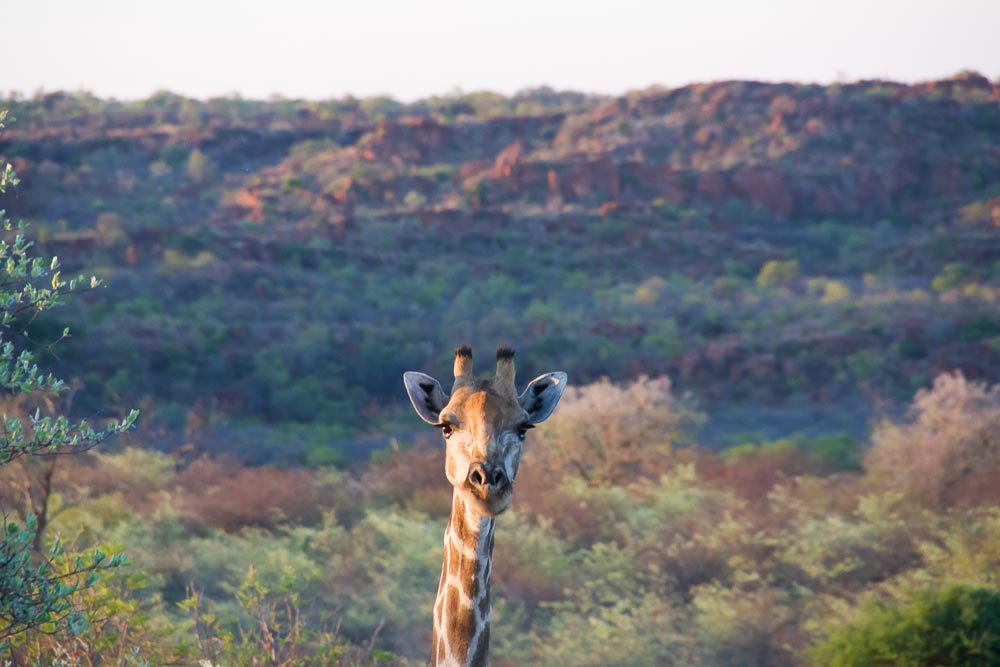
<point x="790" y="254"/>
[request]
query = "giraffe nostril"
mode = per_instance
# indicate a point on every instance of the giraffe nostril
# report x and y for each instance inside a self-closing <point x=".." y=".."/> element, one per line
<point x="485" y="478"/>
<point x="478" y="476"/>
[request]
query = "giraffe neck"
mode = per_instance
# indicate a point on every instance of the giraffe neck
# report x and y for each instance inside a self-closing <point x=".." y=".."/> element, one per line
<point x="462" y="610"/>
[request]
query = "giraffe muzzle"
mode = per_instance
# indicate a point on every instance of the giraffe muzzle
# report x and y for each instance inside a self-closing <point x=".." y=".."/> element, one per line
<point x="488" y="481"/>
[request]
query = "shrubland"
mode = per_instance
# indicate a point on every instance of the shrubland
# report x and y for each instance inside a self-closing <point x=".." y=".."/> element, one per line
<point x="762" y="555"/>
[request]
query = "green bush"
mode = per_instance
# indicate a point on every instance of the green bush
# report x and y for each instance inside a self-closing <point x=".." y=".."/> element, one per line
<point x="954" y="274"/>
<point x="838" y="452"/>
<point x="958" y="626"/>
<point x="776" y="273"/>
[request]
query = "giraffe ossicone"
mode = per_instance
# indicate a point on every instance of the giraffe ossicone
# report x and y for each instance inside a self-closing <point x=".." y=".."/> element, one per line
<point x="484" y="423"/>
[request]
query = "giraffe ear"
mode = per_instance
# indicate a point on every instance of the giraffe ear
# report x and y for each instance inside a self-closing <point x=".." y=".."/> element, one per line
<point x="541" y="396"/>
<point x="426" y="394"/>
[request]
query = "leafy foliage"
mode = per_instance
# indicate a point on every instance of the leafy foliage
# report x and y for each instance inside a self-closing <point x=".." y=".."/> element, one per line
<point x="776" y="273"/>
<point x="958" y="626"/>
<point x="35" y="592"/>
<point x="948" y="454"/>
<point x="608" y="434"/>
<point x="272" y="631"/>
<point x="42" y="595"/>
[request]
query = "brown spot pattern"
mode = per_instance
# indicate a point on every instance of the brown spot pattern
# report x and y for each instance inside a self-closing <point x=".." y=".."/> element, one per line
<point x="462" y="632"/>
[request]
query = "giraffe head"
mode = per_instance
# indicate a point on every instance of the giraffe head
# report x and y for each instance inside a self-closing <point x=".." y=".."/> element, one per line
<point x="484" y="423"/>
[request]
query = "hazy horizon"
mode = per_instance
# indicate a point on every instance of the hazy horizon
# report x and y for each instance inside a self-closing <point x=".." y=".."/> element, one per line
<point x="126" y="50"/>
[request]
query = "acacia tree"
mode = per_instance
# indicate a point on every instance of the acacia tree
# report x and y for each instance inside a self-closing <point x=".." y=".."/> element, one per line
<point x="38" y="586"/>
<point x="607" y="433"/>
<point x="947" y="454"/>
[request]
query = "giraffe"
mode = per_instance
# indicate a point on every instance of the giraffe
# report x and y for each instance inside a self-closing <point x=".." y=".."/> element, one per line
<point x="484" y="423"/>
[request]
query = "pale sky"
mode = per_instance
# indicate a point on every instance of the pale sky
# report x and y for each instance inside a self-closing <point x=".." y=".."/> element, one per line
<point x="408" y="49"/>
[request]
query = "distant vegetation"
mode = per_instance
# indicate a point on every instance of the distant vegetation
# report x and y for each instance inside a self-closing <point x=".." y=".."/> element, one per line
<point x="787" y="250"/>
<point x="801" y="262"/>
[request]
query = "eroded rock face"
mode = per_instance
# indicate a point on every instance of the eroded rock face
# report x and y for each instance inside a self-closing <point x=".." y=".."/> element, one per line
<point x="411" y="140"/>
<point x="508" y="159"/>
<point x="786" y="151"/>
<point x="783" y="150"/>
<point x="764" y="186"/>
<point x="711" y="186"/>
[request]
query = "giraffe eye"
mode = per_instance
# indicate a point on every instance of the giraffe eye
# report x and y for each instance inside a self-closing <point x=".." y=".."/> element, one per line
<point x="522" y="431"/>
<point x="447" y="430"/>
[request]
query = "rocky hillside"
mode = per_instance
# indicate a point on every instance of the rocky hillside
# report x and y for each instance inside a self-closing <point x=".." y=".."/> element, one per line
<point x="795" y="256"/>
